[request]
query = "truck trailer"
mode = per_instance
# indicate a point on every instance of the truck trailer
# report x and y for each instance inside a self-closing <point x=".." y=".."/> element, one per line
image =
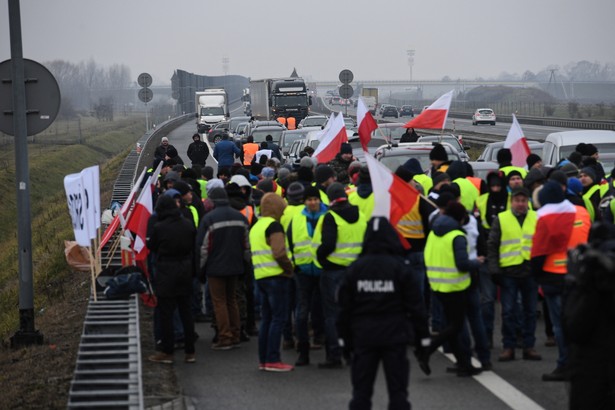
<point x="212" y="107"/>
<point x="272" y="98"/>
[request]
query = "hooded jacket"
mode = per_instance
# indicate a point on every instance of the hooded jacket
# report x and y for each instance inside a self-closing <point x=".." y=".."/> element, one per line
<point x="272" y="205"/>
<point x="381" y="304"/>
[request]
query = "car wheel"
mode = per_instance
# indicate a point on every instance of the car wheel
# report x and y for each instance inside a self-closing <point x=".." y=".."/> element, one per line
<point x="493" y="123"/>
<point x="473" y="122"/>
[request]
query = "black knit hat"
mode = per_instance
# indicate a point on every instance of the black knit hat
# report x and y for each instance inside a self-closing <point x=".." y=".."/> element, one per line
<point x="346" y="148"/>
<point x="551" y="193"/>
<point x="295" y="192"/>
<point x="311" y="192"/>
<point x="504" y="156"/>
<point x="532" y="159"/>
<point x="438" y="153"/>
<point x="322" y="173"/>
<point x="336" y="191"/>
<point x="458" y="212"/>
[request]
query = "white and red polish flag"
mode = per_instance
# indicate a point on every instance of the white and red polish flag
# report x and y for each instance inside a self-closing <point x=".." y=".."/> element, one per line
<point x="516" y="142"/>
<point x="366" y="122"/>
<point x="331" y="140"/>
<point x="434" y="116"/>
<point x="553" y="228"/>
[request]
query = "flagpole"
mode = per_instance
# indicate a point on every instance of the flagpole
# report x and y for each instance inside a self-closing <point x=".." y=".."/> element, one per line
<point x="92" y="274"/>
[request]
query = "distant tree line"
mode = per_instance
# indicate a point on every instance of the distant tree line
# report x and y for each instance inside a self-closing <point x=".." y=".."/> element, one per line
<point x="90" y="87"/>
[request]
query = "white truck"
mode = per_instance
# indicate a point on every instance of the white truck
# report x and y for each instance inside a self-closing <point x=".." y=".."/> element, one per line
<point x="211" y="108"/>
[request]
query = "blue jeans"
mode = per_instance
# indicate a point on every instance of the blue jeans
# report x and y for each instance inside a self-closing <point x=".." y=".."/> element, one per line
<point x="488" y="292"/>
<point x="307" y="288"/>
<point x="275" y="294"/>
<point x="510" y="288"/>
<point x="475" y="318"/>
<point x="329" y="284"/>
<point x="553" y="297"/>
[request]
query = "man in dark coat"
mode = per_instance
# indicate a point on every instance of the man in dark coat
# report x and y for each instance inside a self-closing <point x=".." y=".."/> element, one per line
<point x="381" y="309"/>
<point x="161" y="149"/>
<point x="198" y="151"/>
<point x="224" y="251"/>
<point x="171" y="239"/>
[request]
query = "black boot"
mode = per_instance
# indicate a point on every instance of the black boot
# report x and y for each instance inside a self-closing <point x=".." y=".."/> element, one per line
<point x="304" y="354"/>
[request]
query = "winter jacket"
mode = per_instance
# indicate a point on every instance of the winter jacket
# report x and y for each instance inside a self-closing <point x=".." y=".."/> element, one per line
<point x="380" y="301"/>
<point x="273" y="205"/>
<point x="171" y="239"/>
<point x="350" y="213"/>
<point x="444" y="224"/>
<point x="225" y="152"/>
<point x="493" y="252"/>
<point x="198" y="152"/>
<point x="223" y="242"/>
<point x="340" y="167"/>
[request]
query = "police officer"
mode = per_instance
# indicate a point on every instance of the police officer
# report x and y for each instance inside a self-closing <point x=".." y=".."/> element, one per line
<point x="381" y="308"/>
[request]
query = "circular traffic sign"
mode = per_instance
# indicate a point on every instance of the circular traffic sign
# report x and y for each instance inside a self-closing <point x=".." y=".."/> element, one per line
<point x="146" y="95"/>
<point x="144" y="80"/>
<point x="346" y="91"/>
<point x="346" y="77"/>
<point x="42" y="97"/>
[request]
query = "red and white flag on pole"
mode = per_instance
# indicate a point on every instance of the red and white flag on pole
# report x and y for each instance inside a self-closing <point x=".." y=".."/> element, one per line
<point x="331" y="140"/>
<point x="516" y="142"/>
<point x="553" y="229"/>
<point x="434" y="116"/>
<point x="366" y="122"/>
<point x="393" y="197"/>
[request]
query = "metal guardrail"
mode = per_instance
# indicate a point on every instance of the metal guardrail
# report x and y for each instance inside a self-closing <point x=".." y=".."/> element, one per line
<point x="548" y="121"/>
<point x="108" y="368"/>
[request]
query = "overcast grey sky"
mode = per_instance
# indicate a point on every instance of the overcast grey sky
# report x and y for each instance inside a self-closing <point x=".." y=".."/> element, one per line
<point x="461" y="39"/>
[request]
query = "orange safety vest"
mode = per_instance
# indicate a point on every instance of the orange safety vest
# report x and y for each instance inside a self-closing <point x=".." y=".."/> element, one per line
<point x="291" y="123"/>
<point x="558" y="262"/>
<point x="249" y="150"/>
<point x="248" y="212"/>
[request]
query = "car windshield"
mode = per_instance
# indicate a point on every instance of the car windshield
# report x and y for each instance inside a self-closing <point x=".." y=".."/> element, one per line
<point x="290" y="138"/>
<point x="211" y="111"/>
<point x="349" y="122"/>
<point x="395" y="161"/>
<point x="234" y="122"/>
<point x="259" y="135"/>
<point x="314" y="122"/>
<point x="291" y="101"/>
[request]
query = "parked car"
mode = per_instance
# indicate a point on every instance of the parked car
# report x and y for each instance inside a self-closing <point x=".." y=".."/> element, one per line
<point x="290" y="136"/>
<point x="490" y="152"/>
<point x="260" y="133"/>
<point x="215" y="133"/>
<point x="450" y="139"/>
<point x="253" y="126"/>
<point x="406" y="110"/>
<point x="483" y="168"/>
<point x="389" y="130"/>
<point x="392" y="156"/>
<point x="483" y="116"/>
<point x="390" y="111"/>
<point x="313" y="121"/>
<point x="560" y="145"/>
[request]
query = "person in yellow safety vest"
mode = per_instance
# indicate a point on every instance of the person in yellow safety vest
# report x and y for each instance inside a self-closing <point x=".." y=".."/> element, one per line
<point x="508" y="255"/>
<point x="414" y="166"/>
<point x="591" y="193"/>
<point x="478" y="183"/>
<point x="448" y="267"/>
<point x="504" y="158"/>
<point x="414" y="227"/>
<point x="294" y="199"/>
<point x="323" y="177"/>
<point x="307" y="275"/>
<point x="468" y="192"/>
<point x="363" y="197"/>
<point x="207" y="173"/>
<point x="273" y="270"/>
<point x="337" y="242"/>
<point x="192" y="207"/>
<point x="439" y="159"/>
<point x="553" y="238"/>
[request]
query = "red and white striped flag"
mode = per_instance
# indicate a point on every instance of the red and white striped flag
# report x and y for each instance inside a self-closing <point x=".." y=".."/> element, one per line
<point x="553" y="228"/>
<point x="366" y="122"/>
<point x="434" y="116"/>
<point x="331" y="140"/>
<point x="516" y="142"/>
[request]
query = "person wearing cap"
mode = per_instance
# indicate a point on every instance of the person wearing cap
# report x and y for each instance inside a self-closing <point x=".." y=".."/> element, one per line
<point x="307" y="275"/>
<point x="337" y="240"/>
<point x="198" y="151"/>
<point x="561" y="226"/>
<point x="439" y="159"/>
<point x="591" y="193"/>
<point x="591" y="159"/>
<point x="469" y="192"/>
<point x="161" y="149"/>
<point x="173" y="155"/>
<point x="448" y="266"/>
<point x="363" y="196"/>
<point x="191" y="206"/>
<point x="224" y="253"/>
<point x="341" y="162"/>
<point x="170" y="238"/>
<point x="273" y="271"/>
<point x="324" y="176"/>
<point x="508" y="247"/>
<point x="533" y="161"/>
<point x="225" y="152"/>
<point x="439" y="179"/>
<point x="381" y="309"/>
<point x="504" y="158"/>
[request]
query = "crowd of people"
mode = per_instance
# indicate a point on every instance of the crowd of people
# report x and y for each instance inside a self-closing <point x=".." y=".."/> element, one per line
<point x="296" y="248"/>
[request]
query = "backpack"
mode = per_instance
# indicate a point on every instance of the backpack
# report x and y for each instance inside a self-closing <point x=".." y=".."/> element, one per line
<point x="127" y="280"/>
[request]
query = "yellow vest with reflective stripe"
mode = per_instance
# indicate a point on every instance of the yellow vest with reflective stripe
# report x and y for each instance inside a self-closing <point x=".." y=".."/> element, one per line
<point x="349" y="240"/>
<point x="195" y="214"/>
<point x="289" y="212"/>
<point x="516" y="240"/>
<point x="264" y="263"/>
<point x="469" y="193"/>
<point x="203" y="186"/>
<point x="510" y="168"/>
<point x="302" y="242"/>
<point x="442" y="271"/>
<point x="588" y="203"/>
<point x="411" y="224"/>
<point x="481" y="204"/>
<point x="425" y="181"/>
<point x="366" y="205"/>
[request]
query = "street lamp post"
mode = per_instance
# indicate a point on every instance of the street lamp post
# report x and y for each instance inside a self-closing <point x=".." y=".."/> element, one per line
<point x="410" y="54"/>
